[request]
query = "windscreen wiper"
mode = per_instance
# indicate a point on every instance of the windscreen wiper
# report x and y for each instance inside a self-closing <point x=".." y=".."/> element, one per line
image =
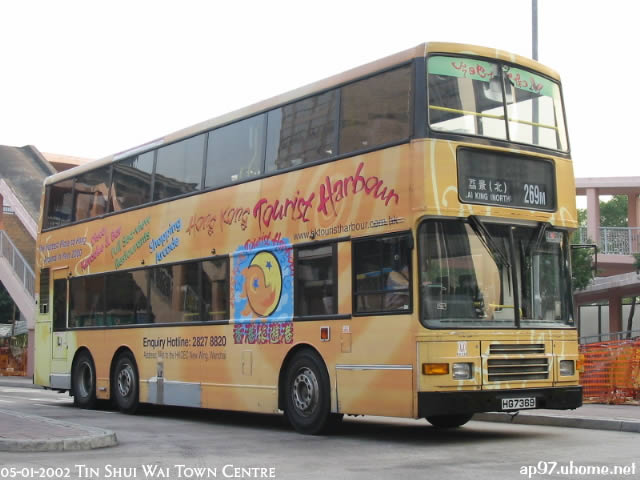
<point x="498" y="254"/>
<point x="542" y="229"/>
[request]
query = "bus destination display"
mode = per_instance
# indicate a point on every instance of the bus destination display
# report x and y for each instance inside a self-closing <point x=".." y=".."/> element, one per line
<point x="490" y="178"/>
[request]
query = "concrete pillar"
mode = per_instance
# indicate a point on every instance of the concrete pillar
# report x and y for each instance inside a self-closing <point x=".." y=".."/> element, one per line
<point x="593" y="215"/>
<point x="633" y="213"/>
<point x="633" y="210"/>
<point x="615" y="312"/>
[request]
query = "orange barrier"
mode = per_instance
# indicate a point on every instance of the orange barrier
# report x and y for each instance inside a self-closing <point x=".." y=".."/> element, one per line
<point x="611" y="372"/>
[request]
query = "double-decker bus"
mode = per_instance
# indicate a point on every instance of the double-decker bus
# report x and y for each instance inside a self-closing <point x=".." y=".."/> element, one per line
<point x="389" y="241"/>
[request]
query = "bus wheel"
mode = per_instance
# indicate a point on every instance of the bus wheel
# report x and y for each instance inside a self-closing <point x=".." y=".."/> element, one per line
<point x="307" y="396"/>
<point x="125" y="383"/>
<point x="449" y="421"/>
<point x="84" y="381"/>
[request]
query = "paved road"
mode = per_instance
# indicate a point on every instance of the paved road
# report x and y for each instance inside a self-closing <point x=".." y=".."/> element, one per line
<point x="222" y="443"/>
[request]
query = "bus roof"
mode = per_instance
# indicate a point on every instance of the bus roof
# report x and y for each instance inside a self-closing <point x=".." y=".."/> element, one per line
<point x="385" y="63"/>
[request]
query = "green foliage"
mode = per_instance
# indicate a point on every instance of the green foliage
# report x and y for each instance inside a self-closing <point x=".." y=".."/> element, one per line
<point x="20" y="341"/>
<point x="636" y="264"/>
<point x="581" y="267"/>
<point x="581" y="258"/>
<point x="582" y="217"/>
<point x="614" y="212"/>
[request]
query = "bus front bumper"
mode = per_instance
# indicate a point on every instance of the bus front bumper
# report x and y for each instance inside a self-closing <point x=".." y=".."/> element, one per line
<point x="455" y="403"/>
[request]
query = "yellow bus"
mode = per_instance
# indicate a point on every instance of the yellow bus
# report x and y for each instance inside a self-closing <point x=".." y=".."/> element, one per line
<point x="389" y="241"/>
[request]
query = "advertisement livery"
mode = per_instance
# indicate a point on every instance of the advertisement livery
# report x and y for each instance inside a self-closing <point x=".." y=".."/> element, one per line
<point x="237" y="353"/>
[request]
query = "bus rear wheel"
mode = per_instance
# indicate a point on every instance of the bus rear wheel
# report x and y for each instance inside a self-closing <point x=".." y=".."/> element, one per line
<point x="307" y="395"/>
<point x="449" y="421"/>
<point x="84" y="381"/>
<point x="125" y="383"/>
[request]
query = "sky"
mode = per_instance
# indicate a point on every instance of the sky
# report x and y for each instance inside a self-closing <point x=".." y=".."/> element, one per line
<point x="90" y="78"/>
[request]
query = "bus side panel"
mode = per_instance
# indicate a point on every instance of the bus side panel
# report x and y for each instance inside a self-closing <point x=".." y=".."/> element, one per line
<point x="242" y="376"/>
<point x="43" y="354"/>
<point x="169" y="361"/>
<point x="375" y="392"/>
<point x="375" y="375"/>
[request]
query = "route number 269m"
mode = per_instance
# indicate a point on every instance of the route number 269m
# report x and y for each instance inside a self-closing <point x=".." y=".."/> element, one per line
<point x="533" y="195"/>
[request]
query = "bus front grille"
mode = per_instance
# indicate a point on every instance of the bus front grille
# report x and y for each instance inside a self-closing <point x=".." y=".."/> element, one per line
<point x="517" y="369"/>
<point x="516" y="348"/>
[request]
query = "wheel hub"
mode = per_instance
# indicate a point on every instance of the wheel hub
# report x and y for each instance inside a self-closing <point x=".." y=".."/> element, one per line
<point x="125" y="380"/>
<point x="86" y="379"/>
<point x="305" y="392"/>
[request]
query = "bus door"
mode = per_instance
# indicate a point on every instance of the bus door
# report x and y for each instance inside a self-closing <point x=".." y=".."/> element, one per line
<point x="43" y="330"/>
<point x="59" y="313"/>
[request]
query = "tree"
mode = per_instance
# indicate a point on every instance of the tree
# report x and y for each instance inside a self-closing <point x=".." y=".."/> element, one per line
<point x="614" y="212"/>
<point x="581" y="258"/>
<point x="581" y="267"/>
<point x="582" y="217"/>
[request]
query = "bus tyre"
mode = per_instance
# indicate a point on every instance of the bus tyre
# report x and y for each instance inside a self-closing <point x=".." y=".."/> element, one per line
<point x="125" y="383"/>
<point x="449" y="421"/>
<point x="84" y="381"/>
<point x="307" y="394"/>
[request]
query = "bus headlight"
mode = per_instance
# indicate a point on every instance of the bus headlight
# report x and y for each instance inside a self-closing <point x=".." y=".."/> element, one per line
<point x="567" y="368"/>
<point x="462" y="371"/>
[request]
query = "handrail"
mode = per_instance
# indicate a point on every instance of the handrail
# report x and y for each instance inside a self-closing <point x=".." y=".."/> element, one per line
<point x="612" y="336"/>
<point x="620" y="240"/>
<point x="621" y="228"/>
<point x="466" y="112"/>
<point x="19" y="210"/>
<point x="18" y="263"/>
<point x="614" y="240"/>
<point x="495" y="117"/>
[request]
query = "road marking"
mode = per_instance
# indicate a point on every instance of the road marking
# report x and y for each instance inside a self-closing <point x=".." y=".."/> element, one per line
<point x="6" y="401"/>
<point x="53" y="405"/>
<point x="56" y="400"/>
<point x="16" y="397"/>
<point x="17" y="390"/>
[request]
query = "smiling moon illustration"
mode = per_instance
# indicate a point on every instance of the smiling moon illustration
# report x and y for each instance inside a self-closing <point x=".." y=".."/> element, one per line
<point x="263" y="284"/>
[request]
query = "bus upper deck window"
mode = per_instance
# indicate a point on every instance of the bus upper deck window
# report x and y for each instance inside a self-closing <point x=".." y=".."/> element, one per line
<point x="470" y="96"/>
